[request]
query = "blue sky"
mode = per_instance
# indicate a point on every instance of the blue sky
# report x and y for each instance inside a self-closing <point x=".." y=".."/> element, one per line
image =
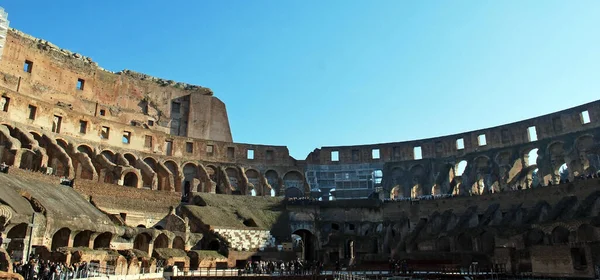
<point x="314" y="73"/>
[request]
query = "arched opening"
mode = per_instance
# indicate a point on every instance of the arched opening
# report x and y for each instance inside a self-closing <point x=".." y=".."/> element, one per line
<point x="131" y="160"/>
<point x="142" y="242"/>
<point x="61" y="238"/>
<point x="252" y="192"/>
<point x="191" y="179"/>
<point x="141" y="226"/>
<point x="110" y="156"/>
<point x="293" y="192"/>
<point x="172" y="166"/>
<point x="211" y="172"/>
<point x="294" y="180"/>
<point x="254" y="182"/>
<point x="464" y="242"/>
<point x="149" y="177"/>
<point x="306" y="242"/>
<point x="85" y="149"/>
<point x="16" y="246"/>
<point x="82" y="239"/>
<point x="460" y="168"/>
<point x="232" y="174"/>
<point x="560" y="235"/>
<point x="563" y="172"/>
<point x="103" y="240"/>
<point x="62" y="143"/>
<point x="161" y="241"/>
<point x="178" y="243"/>
<point x="273" y="181"/>
<point x="531" y="158"/>
<point x="130" y="180"/>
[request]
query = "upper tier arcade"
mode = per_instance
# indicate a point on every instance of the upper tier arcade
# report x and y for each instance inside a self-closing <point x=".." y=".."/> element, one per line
<point x="492" y="159"/>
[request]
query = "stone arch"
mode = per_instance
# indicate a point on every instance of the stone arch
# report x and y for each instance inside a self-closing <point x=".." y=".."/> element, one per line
<point x="178" y="243"/>
<point x="586" y="161"/>
<point x="213" y="174"/>
<point x="62" y="143"/>
<point x="557" y="154"/>
<point x="110" y="156"/>
<point x="82" y="239"/>
<point x="142" y="242"/>
<point x="61" y="238"/>
<point x="58" y="159"/>
<point x="103" y="240"/>
<point x="560" y="235"/>
<point x="308" y="243"/>
<point x="191" y="179"/>
<point x="234" y="179"/>
<point x="294" y="179"/>
<point x="161" y="241"/>
<point x="131" y="159"/>
<point x="177" y="176"/>
<point x="273" y="182"/>
<point x="148" y="181"/>
<point x="130" y="179"/>
<point x="83" y="148"/>
<point x="254" y="181"/>
<point x="17" y="235"/>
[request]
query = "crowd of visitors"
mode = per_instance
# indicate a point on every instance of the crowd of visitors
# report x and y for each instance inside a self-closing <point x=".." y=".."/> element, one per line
<point x="296" y="267"/>
<point x="37" y="268"/>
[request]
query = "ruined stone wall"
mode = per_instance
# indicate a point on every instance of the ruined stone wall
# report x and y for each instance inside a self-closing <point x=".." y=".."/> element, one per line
<point x="55" y="76"/>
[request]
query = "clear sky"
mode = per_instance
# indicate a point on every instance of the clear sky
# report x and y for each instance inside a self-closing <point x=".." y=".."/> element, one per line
<point x="312" y="73"/>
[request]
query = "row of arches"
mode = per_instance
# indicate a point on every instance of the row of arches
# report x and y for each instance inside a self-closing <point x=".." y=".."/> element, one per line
<point x="41" y="152"/>
<point x="550" y="163"/>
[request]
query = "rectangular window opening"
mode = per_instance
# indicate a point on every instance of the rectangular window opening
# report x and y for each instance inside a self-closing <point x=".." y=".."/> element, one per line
<point x="175" y="107"/>
<point x="4" y="103"/>
<point x="105" y="132"/>
<point x="148" y="141"/>
<point x="481" y="140"/>
<point x="585" y="117"/>
<point x="250" y="154"/>
<point x="32" y="112"/>
<point x="126" y="137"/>
<point x="56" y="124"/>
<point x="169" y="147"/>
<point x="189" y="147"/>
<point x="269" y="155"/>
<point x="28" y="66"/>
<point x="102" y="112"/>
<point x="335" y="155"/>
<point x="417" y="153"/>
<point x="375" y="154"/>
<point x="460" y="143"/>
<point x="210" y="150"/>
<point x="230" y="152"/>
<point x="150" y="123"/>
<point x="80" y="84"/>
<point x="532" y="134"/>
<point x="82" y="127"/>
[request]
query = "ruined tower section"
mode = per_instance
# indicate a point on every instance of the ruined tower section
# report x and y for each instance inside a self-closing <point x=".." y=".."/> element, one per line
<point x="47" y="73"/>
<point x="3" y="29"/>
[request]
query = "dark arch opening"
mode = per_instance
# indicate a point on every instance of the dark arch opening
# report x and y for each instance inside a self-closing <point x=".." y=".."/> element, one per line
<point x="16" y="246"/>
<point x="142" y="242"/>
<point x="464" y="242"/>
<point x="60" y="238"/>
<point x="103" y="240"/>
<point x="82" y="239"/>
<point x="307" y="244"/>
<point x="130" y="159"/>
<point x="162" y="241"/>
<point x="443" y="244"/>
<point x="214" y="245"/>
<point x="178" y="243"/>
<point x="130" y="180"/>
<point x="250" y="223"/>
